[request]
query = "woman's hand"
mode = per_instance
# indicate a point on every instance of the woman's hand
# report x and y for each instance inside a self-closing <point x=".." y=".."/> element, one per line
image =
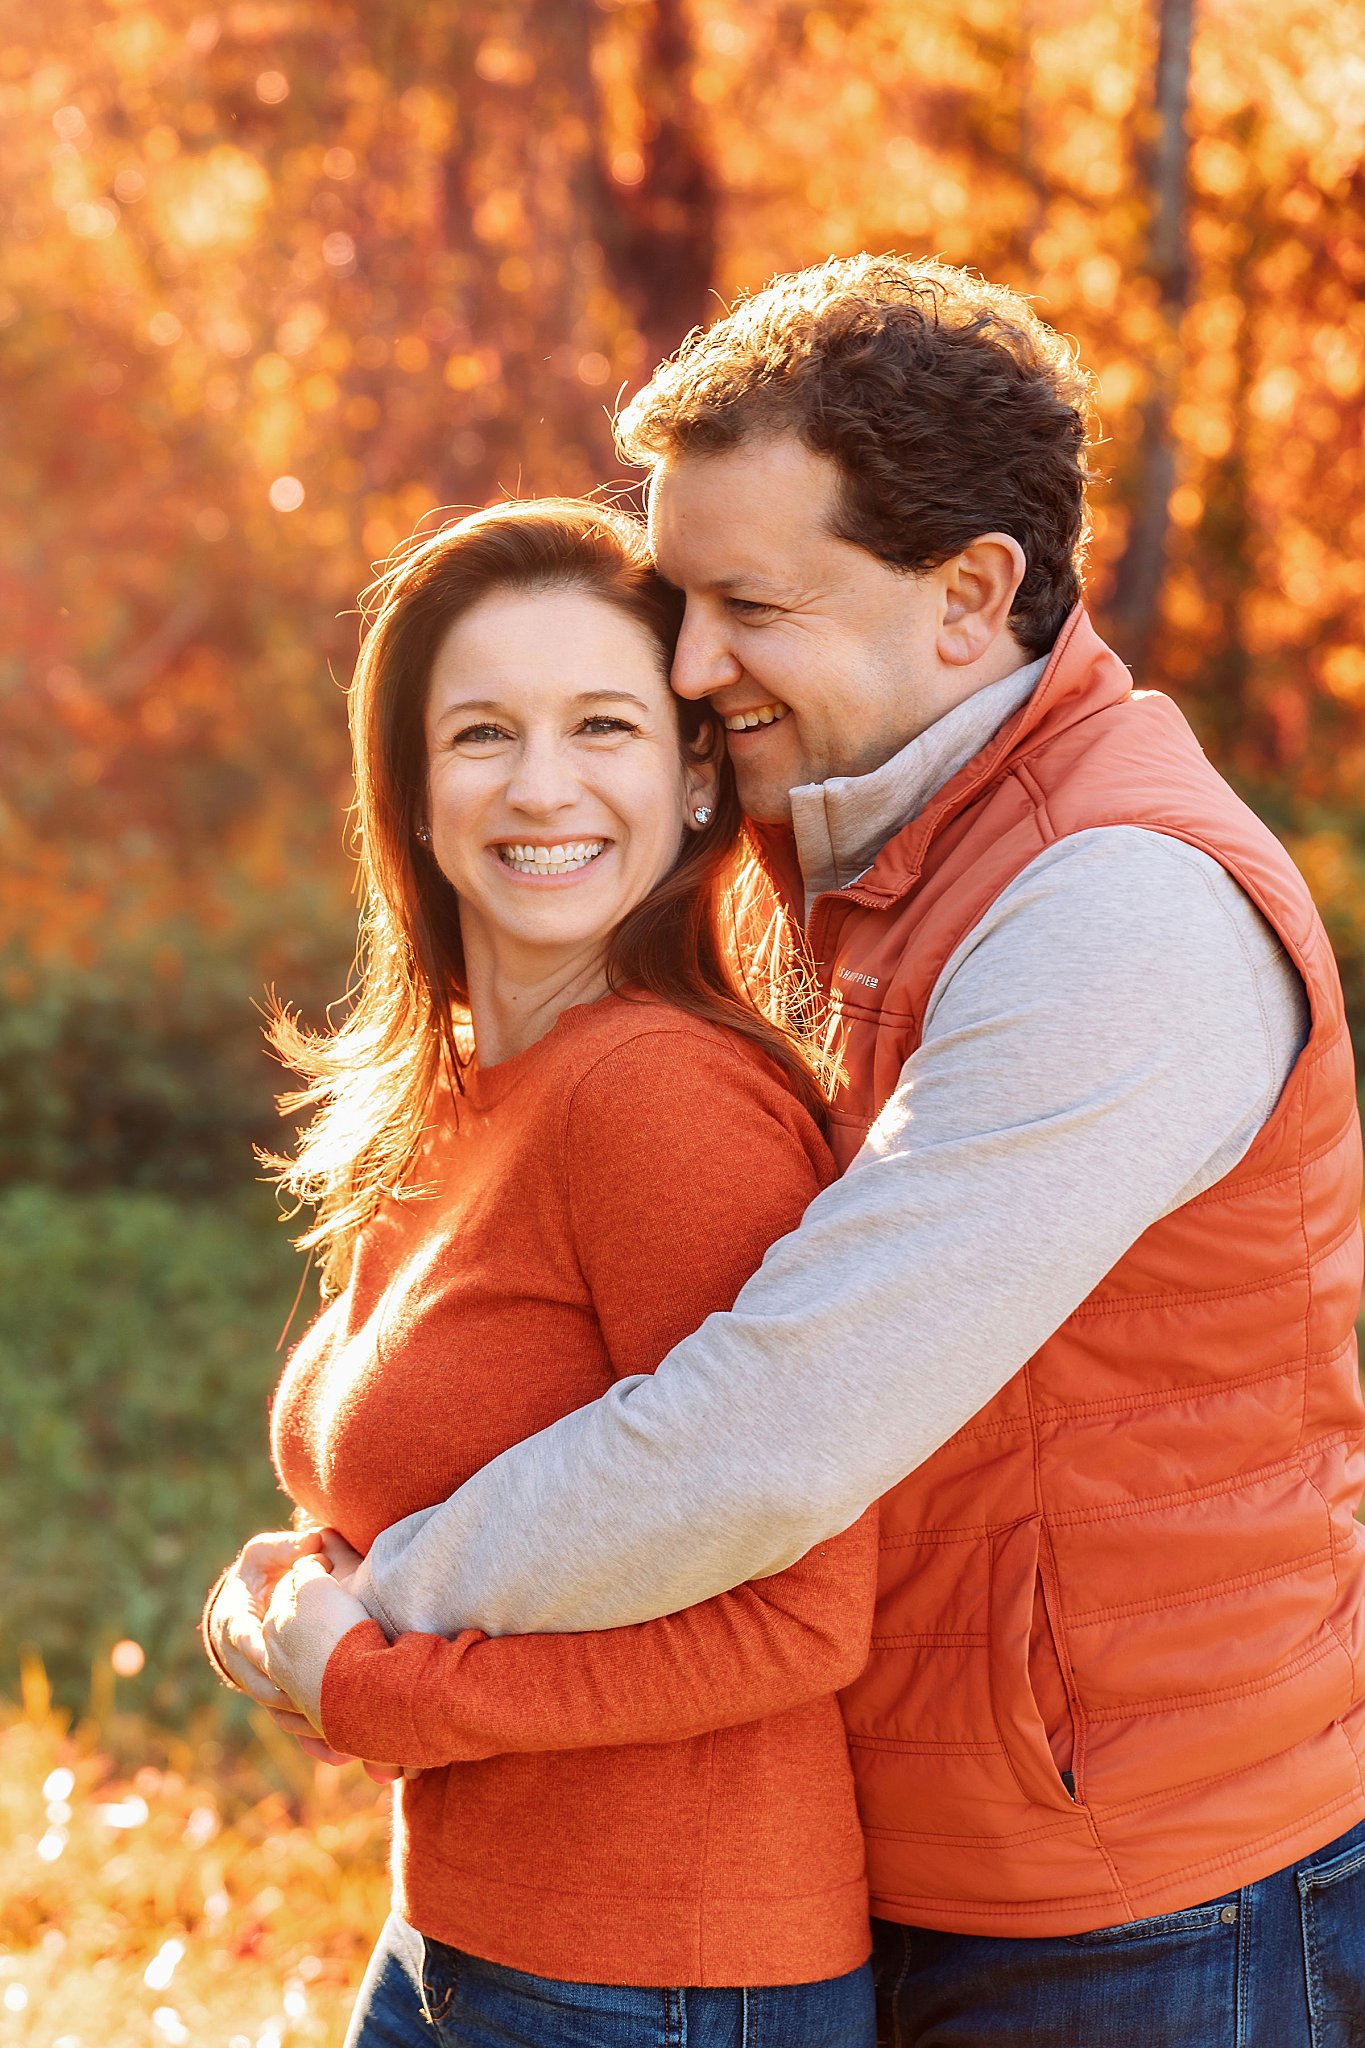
<point x="239" y="1610"/>
<point x="309" y="1612"/>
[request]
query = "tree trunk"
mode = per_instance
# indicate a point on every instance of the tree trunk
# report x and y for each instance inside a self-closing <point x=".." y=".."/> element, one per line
<point x="1138" y="578"/>
<point x="663" y="250"/>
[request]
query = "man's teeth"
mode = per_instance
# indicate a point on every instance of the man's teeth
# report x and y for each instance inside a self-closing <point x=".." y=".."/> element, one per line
<point x="557" y="860"/>
<point x="766" y="714"/>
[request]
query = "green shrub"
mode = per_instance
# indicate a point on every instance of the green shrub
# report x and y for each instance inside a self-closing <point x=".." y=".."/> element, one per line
<point x="147" y="1067"/>
<point x="137" y="1336"/>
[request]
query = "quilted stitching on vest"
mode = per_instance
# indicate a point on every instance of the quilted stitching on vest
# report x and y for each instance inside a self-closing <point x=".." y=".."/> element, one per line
<point x="1139" y="1565"/>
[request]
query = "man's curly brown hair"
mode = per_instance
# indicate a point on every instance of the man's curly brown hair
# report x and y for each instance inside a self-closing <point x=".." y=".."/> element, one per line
<point x="949" y="407"/>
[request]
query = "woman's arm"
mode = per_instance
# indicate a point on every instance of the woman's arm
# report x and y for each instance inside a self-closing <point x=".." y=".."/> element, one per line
<point x="758" y="1650"/>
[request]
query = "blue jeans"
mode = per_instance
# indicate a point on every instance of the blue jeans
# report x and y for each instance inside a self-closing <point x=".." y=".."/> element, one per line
<point x="1279" y="1964"/>
<point x="421" y="1994"/>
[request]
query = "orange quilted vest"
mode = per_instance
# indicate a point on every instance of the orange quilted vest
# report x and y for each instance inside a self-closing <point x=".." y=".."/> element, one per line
<point x="1118" y="1660"/>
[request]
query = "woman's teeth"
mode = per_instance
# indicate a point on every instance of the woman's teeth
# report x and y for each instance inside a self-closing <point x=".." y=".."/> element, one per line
<point x="551" y="860"/>
<point x="766" y="714"/>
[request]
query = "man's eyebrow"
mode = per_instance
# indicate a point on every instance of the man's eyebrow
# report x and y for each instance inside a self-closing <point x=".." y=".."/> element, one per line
<point x="722" y="584"/>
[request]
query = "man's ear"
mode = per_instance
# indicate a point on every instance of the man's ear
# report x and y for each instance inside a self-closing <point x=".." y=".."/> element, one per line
<point x="977" y="590"/>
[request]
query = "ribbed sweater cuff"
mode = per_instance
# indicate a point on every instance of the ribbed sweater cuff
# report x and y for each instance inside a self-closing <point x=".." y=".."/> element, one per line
<point x="360" y="1714"/>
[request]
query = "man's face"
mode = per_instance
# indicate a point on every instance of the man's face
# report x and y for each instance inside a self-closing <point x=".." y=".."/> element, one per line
<point x="820" y="657"/>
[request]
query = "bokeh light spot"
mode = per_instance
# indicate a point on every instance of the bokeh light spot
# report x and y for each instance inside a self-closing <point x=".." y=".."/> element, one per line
<point x="272" y="88"/>
<point x="93" y="219"/>
<point x="286" y="494"/>
<point x="162" y="1967"/>
<point x="338" y="163"/>
<point x="127" y="1658"/>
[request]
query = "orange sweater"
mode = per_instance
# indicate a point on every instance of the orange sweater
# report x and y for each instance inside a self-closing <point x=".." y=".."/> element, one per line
<point x="665" y="1804"/>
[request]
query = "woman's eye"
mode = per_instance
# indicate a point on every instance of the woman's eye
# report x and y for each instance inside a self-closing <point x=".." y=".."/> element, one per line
<point x="476" y="734"/>
<point x="604" y="724"/>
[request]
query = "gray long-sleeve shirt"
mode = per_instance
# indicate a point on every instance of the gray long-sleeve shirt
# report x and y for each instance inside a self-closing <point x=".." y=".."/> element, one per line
<point x="1102" y="1047"/>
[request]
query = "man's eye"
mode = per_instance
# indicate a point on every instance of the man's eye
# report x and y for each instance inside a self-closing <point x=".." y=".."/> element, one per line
<point x="748" y="607"/>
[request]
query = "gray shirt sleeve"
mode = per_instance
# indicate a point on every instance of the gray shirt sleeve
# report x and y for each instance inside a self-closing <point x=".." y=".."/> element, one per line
<point x="1103" y="1046"/>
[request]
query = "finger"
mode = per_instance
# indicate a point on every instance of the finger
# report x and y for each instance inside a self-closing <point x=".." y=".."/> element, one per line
<point x="251" y="1679"/>
<point x="412" y="1770"/>
<point x="384" y="1774"/>
<point x="289" y="1586"/>
<point x="314" y="1746"/>
<point x="266" y="1558"/>
<point x="293" y="1723"/>
<point x="338" y="1552"/>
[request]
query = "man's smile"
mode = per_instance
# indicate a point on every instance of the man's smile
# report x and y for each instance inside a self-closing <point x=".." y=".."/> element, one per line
<point x="761" y="714"/>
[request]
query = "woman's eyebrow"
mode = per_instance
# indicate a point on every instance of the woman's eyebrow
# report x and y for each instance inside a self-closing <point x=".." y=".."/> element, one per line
<point x="459" y="706"/>
<point x="614" y="696"/>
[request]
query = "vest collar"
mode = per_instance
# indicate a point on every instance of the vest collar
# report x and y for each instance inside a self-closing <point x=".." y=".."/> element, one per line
<point x="1082" y="676"/>
<point x="841" y="825"/>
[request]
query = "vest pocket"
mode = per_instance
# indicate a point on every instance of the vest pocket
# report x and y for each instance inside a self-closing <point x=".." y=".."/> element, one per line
<point x="1021" y="1633"/>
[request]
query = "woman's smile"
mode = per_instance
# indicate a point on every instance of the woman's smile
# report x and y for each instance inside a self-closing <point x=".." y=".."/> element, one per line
<point x="549" y="860"/>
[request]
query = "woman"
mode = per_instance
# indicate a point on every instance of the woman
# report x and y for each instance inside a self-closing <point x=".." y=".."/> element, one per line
<point x="554" y="1134"/>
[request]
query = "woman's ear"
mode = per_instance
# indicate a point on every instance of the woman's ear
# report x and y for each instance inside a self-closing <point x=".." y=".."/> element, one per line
<point x="701" y="783"/>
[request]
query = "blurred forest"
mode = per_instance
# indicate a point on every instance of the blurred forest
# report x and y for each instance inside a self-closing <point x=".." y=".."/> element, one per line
<point x="278" y="280"/>
<point x="282" y="278"/>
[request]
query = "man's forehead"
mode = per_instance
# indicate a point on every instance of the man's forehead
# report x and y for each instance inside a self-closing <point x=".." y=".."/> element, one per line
<point x="721" y="517"/>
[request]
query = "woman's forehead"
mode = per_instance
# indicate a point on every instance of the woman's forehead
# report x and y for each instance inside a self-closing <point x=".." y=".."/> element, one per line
<point x="547" y="646"/>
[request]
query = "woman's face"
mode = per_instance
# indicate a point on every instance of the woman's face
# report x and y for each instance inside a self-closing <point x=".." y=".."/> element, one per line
<point x="557" y="783"/>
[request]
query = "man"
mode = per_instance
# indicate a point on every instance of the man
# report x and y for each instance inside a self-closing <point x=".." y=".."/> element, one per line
<point x="1081" y="1307"/>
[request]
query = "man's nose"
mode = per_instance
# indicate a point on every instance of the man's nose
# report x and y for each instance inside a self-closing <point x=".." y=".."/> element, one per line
<point x="702" y="662"/>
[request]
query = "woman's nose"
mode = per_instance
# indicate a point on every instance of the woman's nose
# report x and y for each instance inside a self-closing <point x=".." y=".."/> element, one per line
<point x="702" y="662"/>
<point x="542" y="780"/>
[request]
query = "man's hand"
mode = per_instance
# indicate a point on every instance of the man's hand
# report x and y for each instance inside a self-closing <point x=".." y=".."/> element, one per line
<point x="340" y="1557"/>
<point x="309" y="1613"/>
<point x="239" y="1609"/>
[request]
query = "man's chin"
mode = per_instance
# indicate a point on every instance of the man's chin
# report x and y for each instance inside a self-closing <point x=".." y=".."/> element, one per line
<point x="765" y="806"/>
<point x="766" y="798"/>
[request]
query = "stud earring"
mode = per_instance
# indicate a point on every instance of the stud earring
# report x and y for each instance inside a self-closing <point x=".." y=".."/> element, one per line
<point x="423" y="835"/>
<point x="702" y="814"/>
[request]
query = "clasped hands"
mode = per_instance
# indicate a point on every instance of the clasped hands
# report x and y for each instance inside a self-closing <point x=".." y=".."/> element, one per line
<point x="278" y="1615"/>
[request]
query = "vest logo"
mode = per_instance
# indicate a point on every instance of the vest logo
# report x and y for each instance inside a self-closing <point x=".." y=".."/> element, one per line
<point x="852" y="974"/>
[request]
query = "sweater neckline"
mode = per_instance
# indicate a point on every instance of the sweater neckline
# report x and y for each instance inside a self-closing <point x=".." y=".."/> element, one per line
<point x="485" y="1087"/>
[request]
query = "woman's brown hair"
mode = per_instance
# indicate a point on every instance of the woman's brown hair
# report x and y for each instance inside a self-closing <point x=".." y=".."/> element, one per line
<point x="708" y="938"/>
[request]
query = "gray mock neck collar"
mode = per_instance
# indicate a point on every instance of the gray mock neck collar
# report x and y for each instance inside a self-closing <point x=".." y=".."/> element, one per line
<point x="843" y="824"/>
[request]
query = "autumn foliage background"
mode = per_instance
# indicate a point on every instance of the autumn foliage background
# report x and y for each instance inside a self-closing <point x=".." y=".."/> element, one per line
<point x="282" y="279"/>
